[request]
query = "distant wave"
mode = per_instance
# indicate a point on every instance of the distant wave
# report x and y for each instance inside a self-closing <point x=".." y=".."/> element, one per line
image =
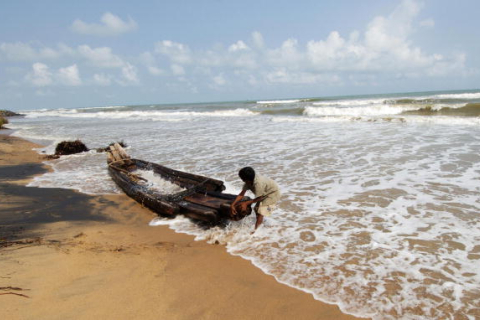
<point x="467" y="96"/>
<point x="371" y="110"/>
<point x="459" y="104"/>
<point x="348" y="103"/>
<point x="279" y="101"/>
<point x="447" y="98"/>
<point x="439" y="98"/>
<point x="101" y="108"/>
<point x="144" y="115"/>
<point x="470" y="110"/>
<point x="386" y="111"/>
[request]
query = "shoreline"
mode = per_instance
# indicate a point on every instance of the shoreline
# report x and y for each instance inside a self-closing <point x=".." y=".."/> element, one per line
<point x="79" y="256"/>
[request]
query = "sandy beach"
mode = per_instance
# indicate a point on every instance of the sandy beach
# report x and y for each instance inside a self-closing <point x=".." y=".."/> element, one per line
<point x="67" y="255"/>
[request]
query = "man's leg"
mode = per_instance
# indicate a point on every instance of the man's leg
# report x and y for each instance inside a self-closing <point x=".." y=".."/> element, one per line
<point x="259" y="220"/>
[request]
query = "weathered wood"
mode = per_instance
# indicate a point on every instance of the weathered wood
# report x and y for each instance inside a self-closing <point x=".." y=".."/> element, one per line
<point x="183" y="179"/>
<point x="134" y="177"/>
<point x="110" y="157"/>
<point x="121" y="151"/>
<point x="206" y="200"/>
<point x="115" y="153"/>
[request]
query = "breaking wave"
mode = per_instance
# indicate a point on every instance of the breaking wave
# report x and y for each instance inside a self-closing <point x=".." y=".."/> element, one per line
<point x="470" y="110"/>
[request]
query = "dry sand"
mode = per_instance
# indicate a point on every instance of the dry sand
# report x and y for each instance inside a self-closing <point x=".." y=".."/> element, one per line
<point x="67" y="255"/>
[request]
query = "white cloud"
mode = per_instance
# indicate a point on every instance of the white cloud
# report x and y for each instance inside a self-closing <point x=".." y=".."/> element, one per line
<point x="20" y="51"/>
<point x="111" y="25"/>
<point x="69" y="76"/>
<point x="238" y="46"/>
<point x="40" y="75"/>
<point x="129" y="73"/>
<point x="150" y="63"/>
<point x="287" y="54"/>
<point x="101" y="57"/>
<point x="177" y="52"/>
<point x="283" y="75"/>
<point x="258" y="40"/>
<point x="384" y="47"/>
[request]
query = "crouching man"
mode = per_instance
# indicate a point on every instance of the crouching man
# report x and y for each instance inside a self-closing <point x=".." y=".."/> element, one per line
<point x="266" y="194"/>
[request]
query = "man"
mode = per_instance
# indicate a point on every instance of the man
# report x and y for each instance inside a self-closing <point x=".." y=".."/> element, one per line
<point x="265" y="190"/>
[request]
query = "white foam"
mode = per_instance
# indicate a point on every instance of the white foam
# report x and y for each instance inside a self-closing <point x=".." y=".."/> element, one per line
<point x="279" y="101"/>
<point x="350" y="102"/>
<point x="467" y="96"/>
<point x="50" y="113"/>
<point x="372" y="110"/>
<point x="27" y="132"/>
<point x="141" y="115"/>
<point x="157" y="183"/>
<point x="84" y="172"/>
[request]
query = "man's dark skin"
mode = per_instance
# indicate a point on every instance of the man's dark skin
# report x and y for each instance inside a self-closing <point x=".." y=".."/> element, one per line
<point x="242" y="206"/>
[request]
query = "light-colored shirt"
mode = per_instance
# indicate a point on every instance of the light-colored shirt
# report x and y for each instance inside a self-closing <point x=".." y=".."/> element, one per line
<point x="264" y="186"/>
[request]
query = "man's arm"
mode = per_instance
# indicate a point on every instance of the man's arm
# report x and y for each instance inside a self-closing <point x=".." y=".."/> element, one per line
<point x="237" y="199"/>
<point x="257" y="199"/>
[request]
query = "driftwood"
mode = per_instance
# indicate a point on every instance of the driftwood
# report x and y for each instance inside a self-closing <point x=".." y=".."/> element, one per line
<point x="115" y="154"/>
<point x="107" y="148"/>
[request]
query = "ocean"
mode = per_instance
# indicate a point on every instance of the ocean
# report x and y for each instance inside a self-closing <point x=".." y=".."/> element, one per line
<point x="380" y="212"/>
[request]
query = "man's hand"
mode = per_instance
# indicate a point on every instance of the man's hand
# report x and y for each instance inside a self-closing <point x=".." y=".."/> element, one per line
<point x="233" y="210"/>
<point x="241" y="207"/>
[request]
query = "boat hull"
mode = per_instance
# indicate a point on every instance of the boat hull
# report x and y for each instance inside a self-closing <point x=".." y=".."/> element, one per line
<point x="203" y="198"/>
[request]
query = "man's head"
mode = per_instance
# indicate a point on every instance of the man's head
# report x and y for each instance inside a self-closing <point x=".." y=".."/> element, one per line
<point x="247" y="174"/>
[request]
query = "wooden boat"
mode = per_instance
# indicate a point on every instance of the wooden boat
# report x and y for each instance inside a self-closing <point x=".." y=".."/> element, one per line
<point x="203" y="198"/>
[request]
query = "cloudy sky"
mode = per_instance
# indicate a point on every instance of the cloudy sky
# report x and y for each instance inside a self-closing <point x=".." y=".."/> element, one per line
<point x="66" y="54"/>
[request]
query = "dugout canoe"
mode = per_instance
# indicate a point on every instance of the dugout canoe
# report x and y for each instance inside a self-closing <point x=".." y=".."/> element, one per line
<point x="202" y="199"/>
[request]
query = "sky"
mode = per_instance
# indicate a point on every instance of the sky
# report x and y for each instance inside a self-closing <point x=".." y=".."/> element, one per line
<point x="73" y="54"/>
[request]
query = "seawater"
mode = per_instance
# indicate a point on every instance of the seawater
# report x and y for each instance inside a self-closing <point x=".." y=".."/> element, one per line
<point x="380" y="211"/>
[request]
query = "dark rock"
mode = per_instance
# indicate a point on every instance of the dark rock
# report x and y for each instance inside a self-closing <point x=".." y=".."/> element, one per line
<point x="70" y="147"/>
<point x="7" y="113"/>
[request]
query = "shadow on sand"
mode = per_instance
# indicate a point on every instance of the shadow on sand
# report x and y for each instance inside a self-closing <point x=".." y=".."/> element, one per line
<point x="24" y="209"/>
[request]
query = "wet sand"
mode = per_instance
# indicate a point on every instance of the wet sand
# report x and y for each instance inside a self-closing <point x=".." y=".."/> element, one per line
<point x="67" y="255"/>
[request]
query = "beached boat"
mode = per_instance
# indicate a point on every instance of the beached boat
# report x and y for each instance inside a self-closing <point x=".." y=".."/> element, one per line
<point x="201" y="198"/>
